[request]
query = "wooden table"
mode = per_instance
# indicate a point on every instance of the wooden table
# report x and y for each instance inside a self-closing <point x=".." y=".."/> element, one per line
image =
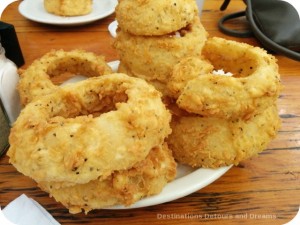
<point x="262" y="190"/>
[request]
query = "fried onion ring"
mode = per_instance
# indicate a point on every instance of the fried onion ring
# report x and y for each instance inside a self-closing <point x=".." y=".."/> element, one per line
<point x="153" y="58"/>
<point x="213" y="142"/>
<point x="89" y="129"/>
<point x="124" y="187"/>
<point x="35" y="81"/>
<point x="254" y="86"/>
<point x="155" y="17"/>
<point x="68" y="7"/>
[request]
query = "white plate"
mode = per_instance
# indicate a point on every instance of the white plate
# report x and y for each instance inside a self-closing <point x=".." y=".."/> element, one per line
<point x="34" y="10"/>
<point x="112" y="28"/>
<point x="188" y="180"/>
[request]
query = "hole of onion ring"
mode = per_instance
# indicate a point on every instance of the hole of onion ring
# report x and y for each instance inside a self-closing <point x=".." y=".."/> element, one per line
<point x="182" y="32"/>
<point x="61" y="70"/>
<point x="240" y="64"/>
<point x="66" y="77"/>
<point x="98" y="103"/>
<point x="107" y="103"/>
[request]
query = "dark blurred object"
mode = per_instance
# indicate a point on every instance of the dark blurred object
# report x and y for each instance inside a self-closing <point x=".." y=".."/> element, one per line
<point x="10" y="43"/>
<point x="4" y="130"/>
<point x="275" y="23"/>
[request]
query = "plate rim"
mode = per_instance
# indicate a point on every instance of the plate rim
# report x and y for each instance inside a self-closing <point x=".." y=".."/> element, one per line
<point x="65" y="21"/>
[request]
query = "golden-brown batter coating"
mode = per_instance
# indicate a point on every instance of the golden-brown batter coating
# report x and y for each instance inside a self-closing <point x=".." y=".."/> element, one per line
<point x="68" y="7"/>
<point x="89" y="129"/>
<point x="123" y="187"/>
<point x="155" y="17"/>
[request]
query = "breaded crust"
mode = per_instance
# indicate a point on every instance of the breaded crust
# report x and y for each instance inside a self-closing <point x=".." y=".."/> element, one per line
<point x="153" y="58"/>
<point x="214" y="142"/>
<point x="89" y="129"/>
<point x="36" y="80"/>
<point x="254" y="86"/>
<point x="123" y="187"/>
<point x="155" y="17"/>
<point x="68" y="7"/>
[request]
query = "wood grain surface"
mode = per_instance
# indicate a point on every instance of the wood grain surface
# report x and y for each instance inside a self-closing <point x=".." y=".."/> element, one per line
<point x="261" y="190"/>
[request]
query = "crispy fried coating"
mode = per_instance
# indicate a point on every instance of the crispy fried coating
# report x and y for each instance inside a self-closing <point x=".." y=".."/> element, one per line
<point x="254" y="86"/>
<point x="187" y="69"/>
<point x="89" y="129"/>
<point x="36" y="80"/>
<point x="222" y="120"/>
<point x="213" y="142"/>
<point x="68" y="7"/>
<point x="155" y="17"/>
<point x="159" y="85"/>
<point x="123" y="187"/>
<point x="153" y="58"/>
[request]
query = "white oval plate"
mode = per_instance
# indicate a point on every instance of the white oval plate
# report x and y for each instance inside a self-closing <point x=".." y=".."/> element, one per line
<point x="187" y="181"/>
<point x="34" y="10"/>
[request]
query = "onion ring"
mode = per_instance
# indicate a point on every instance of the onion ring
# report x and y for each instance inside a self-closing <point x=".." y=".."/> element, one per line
<point x="155" y="17"/>
<point x="35" y="81"/>
<point x="213" y="142"/>
<point x="68" y="7"/>
<point x="254" y="86"/>
<point x="89" y="129"/>
<point x="124" y="187"/>
<point x="153" y="58"/>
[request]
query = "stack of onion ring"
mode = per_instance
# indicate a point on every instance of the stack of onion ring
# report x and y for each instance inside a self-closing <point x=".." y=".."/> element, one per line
<point x="153" y="36"/>
<point x="112" y="132"/>
<point x="95" y="132"/>
<point x="153" y="58"/>
<point x="123" y="187"/>
<point x="223" y="120"/>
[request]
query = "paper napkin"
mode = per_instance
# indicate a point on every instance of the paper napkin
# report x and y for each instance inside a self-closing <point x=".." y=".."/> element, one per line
<point x="25" y="211"/>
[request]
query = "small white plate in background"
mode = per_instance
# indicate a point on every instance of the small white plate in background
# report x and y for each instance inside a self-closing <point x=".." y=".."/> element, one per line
<point x="34" y="10"/>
